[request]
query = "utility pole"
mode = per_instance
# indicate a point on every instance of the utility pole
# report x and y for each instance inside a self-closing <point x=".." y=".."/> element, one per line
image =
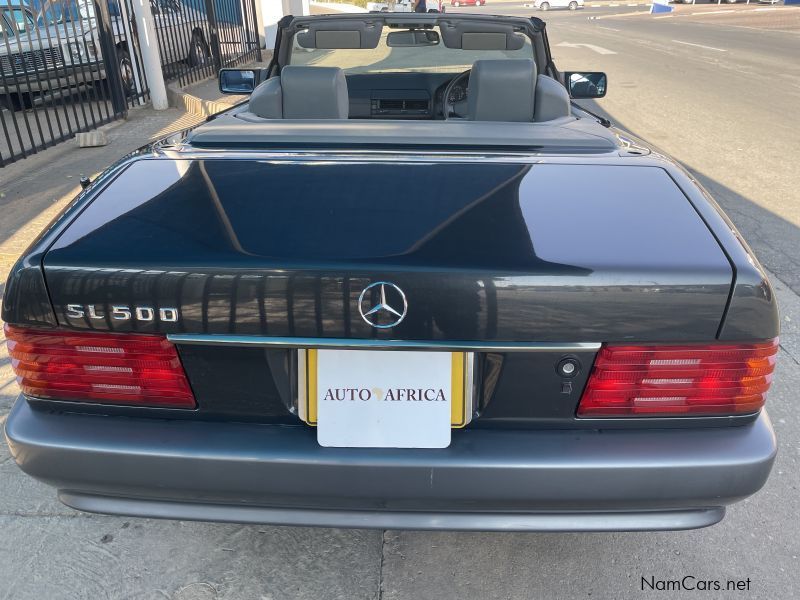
<point x="151" y="57"/>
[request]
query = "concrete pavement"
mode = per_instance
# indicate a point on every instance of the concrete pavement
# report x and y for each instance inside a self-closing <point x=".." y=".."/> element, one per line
<point x="729" y="116"/>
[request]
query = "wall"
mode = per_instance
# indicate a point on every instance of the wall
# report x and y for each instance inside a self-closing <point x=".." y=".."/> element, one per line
<point x="273" y="10"/>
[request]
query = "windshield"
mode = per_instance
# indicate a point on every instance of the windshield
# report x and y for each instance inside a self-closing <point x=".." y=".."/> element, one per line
<point x="20" y="18"/>
<point x="383" y="59"/>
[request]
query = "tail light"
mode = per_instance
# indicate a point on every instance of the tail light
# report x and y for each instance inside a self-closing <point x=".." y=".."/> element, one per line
<point x="132" y="369"/>
<point x="679" y="380"/>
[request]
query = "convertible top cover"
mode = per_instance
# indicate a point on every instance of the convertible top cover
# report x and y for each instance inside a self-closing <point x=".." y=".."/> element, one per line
<point x="243" y="129"/>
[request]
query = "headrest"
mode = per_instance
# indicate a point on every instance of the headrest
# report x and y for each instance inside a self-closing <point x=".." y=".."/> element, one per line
<point x="502" y="90"/>
<point x="552" y="100"/>
<point x="314" y="93"/>
<point x="303" y="93"/>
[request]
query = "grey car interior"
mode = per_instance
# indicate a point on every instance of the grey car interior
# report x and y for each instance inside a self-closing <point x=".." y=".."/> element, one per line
<point x="480" y="36"/>
<point x="551" y="100"/>
<point x="331" y="34"/>
<point x="242" y="128"/>
<point x="502" y="90"/>
<point x="509" y="89"/>
<point x="302" y="93"/>
<point x="350" y="34"/>
<point x="499" y="90"/>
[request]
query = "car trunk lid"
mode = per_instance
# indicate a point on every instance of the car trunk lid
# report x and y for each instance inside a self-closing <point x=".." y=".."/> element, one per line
<point x="482" y="250"/>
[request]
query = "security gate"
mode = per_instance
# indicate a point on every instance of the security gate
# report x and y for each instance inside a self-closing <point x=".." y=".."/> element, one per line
<point x="198" y="37"/>
<point x="57" y="73"/>
<point x="68" y="66"/>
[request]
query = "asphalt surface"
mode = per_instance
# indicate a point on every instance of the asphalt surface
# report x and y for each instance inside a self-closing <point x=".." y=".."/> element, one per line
<point x="726" y="107"/>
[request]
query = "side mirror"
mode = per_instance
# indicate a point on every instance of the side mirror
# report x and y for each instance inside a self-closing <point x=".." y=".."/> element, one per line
<point x="412" y="37"/>
<point x="238" y="81"/>
<point x="591" y="84"/>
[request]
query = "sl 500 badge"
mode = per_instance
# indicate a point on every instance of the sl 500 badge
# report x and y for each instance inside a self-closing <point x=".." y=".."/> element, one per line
<point x="121" y="312"/>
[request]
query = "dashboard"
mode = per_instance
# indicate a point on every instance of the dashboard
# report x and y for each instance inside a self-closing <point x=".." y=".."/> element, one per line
<point x="457" y="94"/>
<point x="401" y="95"/>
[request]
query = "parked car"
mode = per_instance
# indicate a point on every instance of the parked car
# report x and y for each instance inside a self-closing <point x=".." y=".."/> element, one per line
<point x="181" y="31"/>
<point x="182" y="38"/>
<point x="467" y="2"/>
<point x="555" y="4"/>
<point x="36" y="58"/>
<point x="396" y="6"/>
<point x="58" y="46"/>
<point x="409" y="283"/>
<point x="404" y="6"/>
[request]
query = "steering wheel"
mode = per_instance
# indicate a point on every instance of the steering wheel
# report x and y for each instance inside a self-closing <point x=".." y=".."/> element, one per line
<point x="456" y="107"/>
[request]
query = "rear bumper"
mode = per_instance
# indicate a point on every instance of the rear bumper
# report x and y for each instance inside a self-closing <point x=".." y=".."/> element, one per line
<point x="488" y="480"/>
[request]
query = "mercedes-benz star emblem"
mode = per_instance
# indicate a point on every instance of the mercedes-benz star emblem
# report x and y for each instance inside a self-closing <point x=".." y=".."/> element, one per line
<point x="390" y="309"/>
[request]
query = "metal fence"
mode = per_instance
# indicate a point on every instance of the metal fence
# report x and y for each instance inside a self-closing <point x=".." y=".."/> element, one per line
<point x="68" y="66"/>
<point x="198" y="37"/>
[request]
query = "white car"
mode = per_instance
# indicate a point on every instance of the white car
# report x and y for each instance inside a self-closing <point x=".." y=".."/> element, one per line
<point x="396" y="6"/>
<point x="552" y="4"/>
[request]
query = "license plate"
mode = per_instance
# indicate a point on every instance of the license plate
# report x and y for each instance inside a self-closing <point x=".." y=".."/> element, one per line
<point x="384" y="398"/>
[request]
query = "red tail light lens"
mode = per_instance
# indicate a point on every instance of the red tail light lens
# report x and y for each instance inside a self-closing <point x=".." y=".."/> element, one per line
<point x="679" y="380"/>
<point x="133" y="369"/>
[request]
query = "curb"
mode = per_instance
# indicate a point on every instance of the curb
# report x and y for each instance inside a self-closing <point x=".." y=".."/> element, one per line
<point x="192" y="104"/>
<point x="180" y="98"/>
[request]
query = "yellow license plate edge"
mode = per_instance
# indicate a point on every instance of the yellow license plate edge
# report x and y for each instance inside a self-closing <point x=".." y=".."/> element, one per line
<point x="311" y="386"/>
<point x="458" y="416"/>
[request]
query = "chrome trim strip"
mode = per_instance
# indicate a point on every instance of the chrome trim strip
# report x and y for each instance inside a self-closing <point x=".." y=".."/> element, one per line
<point x="188" y="152"/>
<point x="307" y="342"/>
<point x="302" y="388"/>
<point x="469" y="388"/>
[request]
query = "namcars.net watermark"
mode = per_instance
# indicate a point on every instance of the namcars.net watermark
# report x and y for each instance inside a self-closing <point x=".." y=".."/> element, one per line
<point x="690" y="583"/>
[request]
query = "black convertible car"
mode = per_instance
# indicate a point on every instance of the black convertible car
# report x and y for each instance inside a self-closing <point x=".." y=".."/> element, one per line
<point x="408" y="284"/>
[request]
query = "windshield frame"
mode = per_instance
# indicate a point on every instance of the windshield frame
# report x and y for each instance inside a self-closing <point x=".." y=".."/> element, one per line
<point x="533" y="28"/>
<point x="402" y="56"/>
<point x="12" y="24"/>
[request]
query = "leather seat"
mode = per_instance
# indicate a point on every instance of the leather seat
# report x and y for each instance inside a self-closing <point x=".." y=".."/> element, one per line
<point x="511" y="90"/>
<point x="302" y="93"/>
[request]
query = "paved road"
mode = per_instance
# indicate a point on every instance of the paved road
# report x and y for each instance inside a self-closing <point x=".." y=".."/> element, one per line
<point x="727" y="113"/>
